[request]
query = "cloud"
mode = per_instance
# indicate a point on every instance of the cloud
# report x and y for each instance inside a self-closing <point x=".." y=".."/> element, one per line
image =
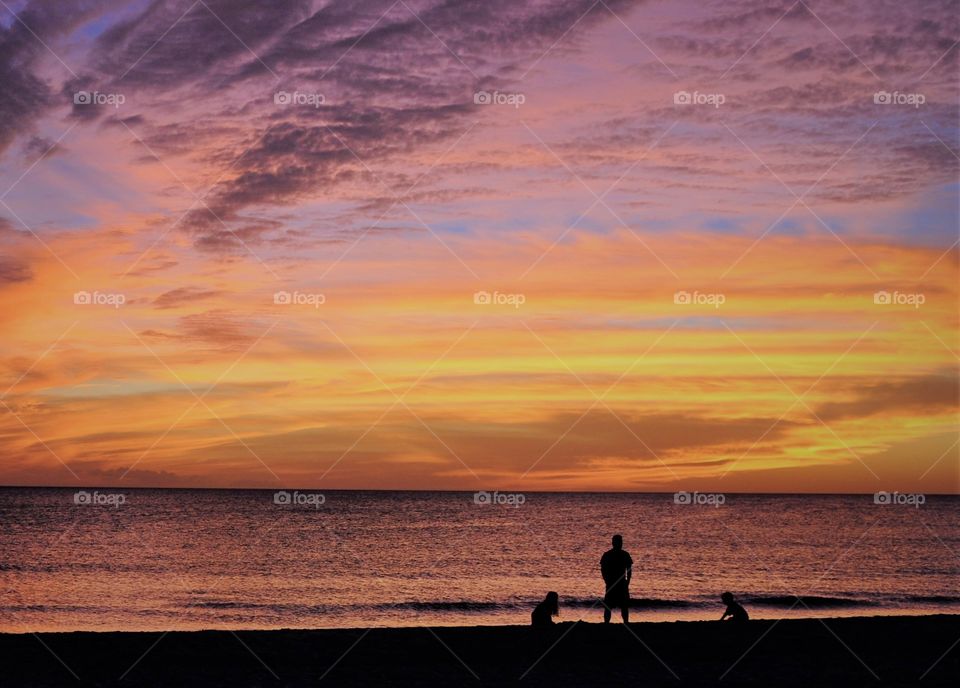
<point x="39" y="147"/>
<point x="392" y="88"/>
<point x="24" y="42"/>
<point x="936" y="394"/>
<point x="25" y="95"/>
<point x="639" y="441"/>
<point x="221" y="329"/>
<point x="154" y="263"/>
<point x="14" y="270"/>
<point x="183" y="296"/>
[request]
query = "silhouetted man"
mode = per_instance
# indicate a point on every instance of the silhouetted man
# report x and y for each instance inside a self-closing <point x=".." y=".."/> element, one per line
<point x="616" y="567"/>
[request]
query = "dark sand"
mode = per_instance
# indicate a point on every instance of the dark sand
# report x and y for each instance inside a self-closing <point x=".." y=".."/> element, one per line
<point x="805" y="652"/>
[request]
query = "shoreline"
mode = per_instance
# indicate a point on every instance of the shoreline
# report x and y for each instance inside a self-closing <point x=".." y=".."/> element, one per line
<point x="639" y="616"/>
<point x="891" y="650"/>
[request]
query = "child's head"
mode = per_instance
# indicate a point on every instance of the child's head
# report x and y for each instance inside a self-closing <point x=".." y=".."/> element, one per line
<point x="553" y="603"/>
<point x="727" y="598"/>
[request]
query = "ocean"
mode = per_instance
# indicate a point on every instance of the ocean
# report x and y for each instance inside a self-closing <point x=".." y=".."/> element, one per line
<point x="145" y="559"/>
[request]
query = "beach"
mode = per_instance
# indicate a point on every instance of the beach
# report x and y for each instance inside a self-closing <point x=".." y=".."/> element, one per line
<point x="189" y="560"/>
<point x="888" y="651"/>
<point x="227" y="588"/>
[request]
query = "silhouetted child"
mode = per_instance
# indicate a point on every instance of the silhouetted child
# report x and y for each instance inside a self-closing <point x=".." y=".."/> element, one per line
<point x="545" y="611"/>
<point x="735" y="610"/>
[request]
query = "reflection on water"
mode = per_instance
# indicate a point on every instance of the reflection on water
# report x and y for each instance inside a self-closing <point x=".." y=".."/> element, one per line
<point x="188" y="559"/>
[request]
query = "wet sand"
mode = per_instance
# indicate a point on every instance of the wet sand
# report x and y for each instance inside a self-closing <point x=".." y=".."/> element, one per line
<point x="863" y="651"/>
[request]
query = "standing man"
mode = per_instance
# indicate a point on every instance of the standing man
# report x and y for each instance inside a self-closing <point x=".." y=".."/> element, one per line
<point x="616" y="567"/>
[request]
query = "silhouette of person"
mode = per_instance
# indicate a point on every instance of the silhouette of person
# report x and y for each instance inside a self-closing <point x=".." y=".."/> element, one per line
<point x="544" y="612"/>
<point x="616" y="567"/>
<point x="735" y="611"/>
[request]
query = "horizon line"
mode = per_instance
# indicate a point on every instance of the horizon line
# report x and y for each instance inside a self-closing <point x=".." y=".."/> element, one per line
<point x="449" y="491"/>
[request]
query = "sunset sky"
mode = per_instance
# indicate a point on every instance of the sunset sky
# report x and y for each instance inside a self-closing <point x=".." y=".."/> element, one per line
<point x="755" y="290"/>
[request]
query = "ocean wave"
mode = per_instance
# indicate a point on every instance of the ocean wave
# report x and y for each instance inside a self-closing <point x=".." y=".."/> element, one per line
<point x="459" y="606"/>
<point x="852" y="601"/>
<point x="281" y="608"/>
<point x="934" y="599"/>
<point x="811" y="601"/>
<point x="56" y="608"/>
<point x="216" y="604"/>
<point x="438" y="605"/>
<point x="635" y="602"/>
<point x="477" y="605"/>
<point x="864" y="600"/>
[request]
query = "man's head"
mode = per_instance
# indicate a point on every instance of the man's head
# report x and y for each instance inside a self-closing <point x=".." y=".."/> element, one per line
<point x="618" y="542"/>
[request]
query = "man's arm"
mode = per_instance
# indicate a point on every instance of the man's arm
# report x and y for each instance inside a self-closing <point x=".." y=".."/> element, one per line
<point x="629" y="574"/>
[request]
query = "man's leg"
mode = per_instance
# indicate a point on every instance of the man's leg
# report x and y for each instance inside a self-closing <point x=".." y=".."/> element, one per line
<point x="606" y="614"/>
<point x="625" y="612"/>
